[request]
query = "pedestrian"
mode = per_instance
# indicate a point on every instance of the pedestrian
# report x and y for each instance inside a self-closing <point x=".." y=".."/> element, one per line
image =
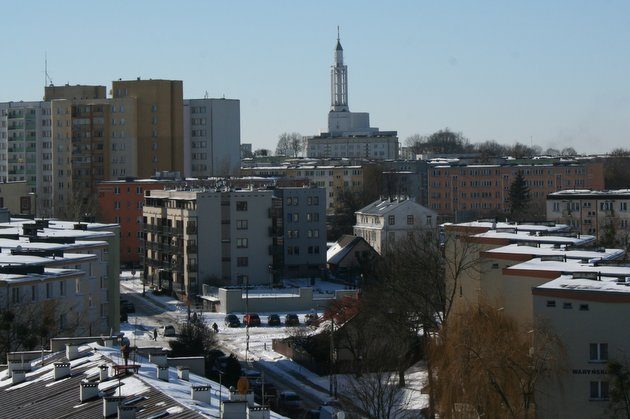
<point x="215" y="327"/>
<point x="155" y="334"/>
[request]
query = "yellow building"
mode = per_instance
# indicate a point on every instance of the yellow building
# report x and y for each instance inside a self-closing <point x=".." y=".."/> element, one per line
<point x="16" y="197"/>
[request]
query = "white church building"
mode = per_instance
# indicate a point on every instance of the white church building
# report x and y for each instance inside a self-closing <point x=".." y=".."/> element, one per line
<point x="349" y="133"/>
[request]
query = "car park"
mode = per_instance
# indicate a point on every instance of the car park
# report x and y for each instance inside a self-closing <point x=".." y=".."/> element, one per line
<point x="251" y="319"/>
<point x="291" y="320"/>
<point x="273" y="320"/>
<point x="232" y="320"/>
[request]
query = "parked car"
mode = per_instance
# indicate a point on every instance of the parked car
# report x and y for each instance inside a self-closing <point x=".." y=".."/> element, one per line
<point x="291" y="320"/>
<point x="168" y="330"/>
<point x="289" y="401"/>
<point x="273" y="320"/>
<point x="311" y="319"/>
<point x="251" y="319"/>
<point x="232" y="320"/>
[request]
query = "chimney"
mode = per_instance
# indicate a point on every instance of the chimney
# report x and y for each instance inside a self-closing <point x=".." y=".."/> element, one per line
<point x="108" y="342"/>
<point x="72" y="352"/>
<point x="18" y="376"/>
<point x="201" y="393"/>
<point x="103" y="375"/>
<point x="88" y="391"/>
<point x="162" y="373"/>
<point x="110" y="405"/>
<point x="158" y="359"/>
<point x="62" y="370"/>
<point x="126" y="412"/>
<point x="182" y="373"/>
<point x="258" y="412"/>
<point x="15" y="366"/>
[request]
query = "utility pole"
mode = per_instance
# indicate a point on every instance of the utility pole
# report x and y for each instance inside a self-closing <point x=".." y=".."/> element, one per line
<point x="332" y="356"/>
<point x="247" y="324"/>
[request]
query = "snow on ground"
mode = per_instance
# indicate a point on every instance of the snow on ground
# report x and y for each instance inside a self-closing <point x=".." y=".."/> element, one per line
<point x="260" y="344"/>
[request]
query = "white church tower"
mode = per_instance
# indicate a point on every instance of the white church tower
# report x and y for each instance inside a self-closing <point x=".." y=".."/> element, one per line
<point x="339" y="81"/>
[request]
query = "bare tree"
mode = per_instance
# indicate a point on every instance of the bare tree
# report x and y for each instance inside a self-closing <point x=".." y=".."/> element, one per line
<point x="483" y="362"/>
<point x="290" y="144"/>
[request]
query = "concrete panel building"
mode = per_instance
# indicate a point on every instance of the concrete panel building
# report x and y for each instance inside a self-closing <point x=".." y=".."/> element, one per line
<point x="212" y="137"/>
<point x="207" y="237"/>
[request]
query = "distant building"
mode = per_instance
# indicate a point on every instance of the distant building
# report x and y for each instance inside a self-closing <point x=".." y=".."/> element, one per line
<point x="385" y="221"/>
<point x="246" y="151"/>
<point x="465" y="192"/>
<point x="605" y="214"/>
<point x="17" y="198"/>
<point x="349" y="254"/>
<point x="212" y="137"/>
<point x="349" y="133"/>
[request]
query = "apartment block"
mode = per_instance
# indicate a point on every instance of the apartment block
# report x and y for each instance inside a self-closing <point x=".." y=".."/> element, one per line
<point x="301" y="230"/>
<point x="121" y="202"/>
<point x="464" y="192"/>
<point x="159" y="120"/>
<point x="212" y="137"/>
<point x="207" y="237"/>
<point x="65" y="270"/>
<point x="604" y="214"/>
<point x="386" y="221"/>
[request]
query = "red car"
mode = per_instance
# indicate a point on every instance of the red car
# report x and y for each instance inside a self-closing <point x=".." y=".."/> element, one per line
<point x="251" y="319"/>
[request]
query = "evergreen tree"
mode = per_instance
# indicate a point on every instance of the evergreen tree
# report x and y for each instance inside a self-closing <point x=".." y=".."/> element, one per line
<point x="519" y="198"/>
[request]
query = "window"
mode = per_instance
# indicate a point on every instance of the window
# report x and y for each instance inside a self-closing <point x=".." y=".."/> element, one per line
<point x="551" y="303"/>
<point x="242" y="261"/>
<point x="410" y="219"/>
<point x="583" y="307"/>
<point x="429" y="220"/>
<point x="599" y="390"/>
<point x="391" y="220"/>
<point x="48" y="290"/>
<point x="567" y="306"/>
<point x="598" y="352"/>
<point x="241" y="224"/>
<point x="241" y="205"/>
<point x="241" y="243"/>
<point x="62" y="290"/>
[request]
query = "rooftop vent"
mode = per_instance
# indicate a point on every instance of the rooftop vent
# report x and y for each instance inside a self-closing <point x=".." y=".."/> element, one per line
<point x="72" y="352"/>
<point x="585" y="275"/>
<point x="88" y="391"/>
<point x="62" y="370"/>
<point x="162" y="373"/>
<point x="103" y="373"/>
<point x="183" y="373"/>
<point x="18" y="376"/>
<point x="110" y="405"/>
<point x="201" y="393"/>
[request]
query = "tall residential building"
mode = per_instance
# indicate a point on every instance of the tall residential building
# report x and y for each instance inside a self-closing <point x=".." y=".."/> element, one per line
<point x="159" y="121"/>
<point x="465" y="192"/>
<point x="349" y="133"/>
<point x="202" y="237"/>
<point x="26" y="153"/>
<point x="212" y="137"/>
<point x="76" y="92"/>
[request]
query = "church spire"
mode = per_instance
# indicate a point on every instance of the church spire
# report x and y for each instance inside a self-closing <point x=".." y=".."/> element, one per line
<point x="339" y="81"/>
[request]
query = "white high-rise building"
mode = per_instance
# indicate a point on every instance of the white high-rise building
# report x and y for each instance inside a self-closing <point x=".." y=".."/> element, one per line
<point x="349" y="133"/>
<point x="212" y="137"/>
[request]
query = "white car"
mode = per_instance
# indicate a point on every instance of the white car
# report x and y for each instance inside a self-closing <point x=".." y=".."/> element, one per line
<point x="167" y="331"/>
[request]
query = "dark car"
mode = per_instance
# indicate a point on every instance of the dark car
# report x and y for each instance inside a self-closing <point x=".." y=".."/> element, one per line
<point x="291" y="320"/>
<point x="273" y="320"/>
<point x="232" y="320"/>
<point x="289" y="402"/>
<point x="251" y="319"/>
<point x="311" y="319"/>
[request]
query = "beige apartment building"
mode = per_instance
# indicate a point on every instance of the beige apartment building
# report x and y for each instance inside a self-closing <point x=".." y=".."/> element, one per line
<point x="604" y="214"/>
<point x="159" y="122"/>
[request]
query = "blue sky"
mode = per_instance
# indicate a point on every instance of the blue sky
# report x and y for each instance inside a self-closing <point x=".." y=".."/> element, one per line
<point x="556" y="73"/>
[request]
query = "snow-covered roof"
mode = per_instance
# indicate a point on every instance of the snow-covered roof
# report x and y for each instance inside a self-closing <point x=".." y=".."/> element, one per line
<point x="603" y="284"/>
<point x="500" y="225"/>
<point x="550" y="250"/>
<point x="588" y="193"/>
<point x="340" y="250"/>
<point x="527" y="237"/>
<point x="381" y="207"/>
<point x="571" y="266"/>
<point x="49" y="274"/>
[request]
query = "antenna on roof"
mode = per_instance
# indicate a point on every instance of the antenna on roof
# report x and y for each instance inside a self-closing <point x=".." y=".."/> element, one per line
<point x="47" y="78"/>
<point x="206" y="95"/>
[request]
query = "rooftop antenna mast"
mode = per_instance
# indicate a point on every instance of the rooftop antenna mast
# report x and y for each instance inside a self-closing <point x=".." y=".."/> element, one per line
<point x="206" y="95"/>
<point x="47" y="79"/>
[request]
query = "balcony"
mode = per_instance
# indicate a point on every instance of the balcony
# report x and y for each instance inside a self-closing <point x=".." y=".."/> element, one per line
<point x="191" y="248"/>
<point x="191" y="267"/>
<point x="191" y="230"/>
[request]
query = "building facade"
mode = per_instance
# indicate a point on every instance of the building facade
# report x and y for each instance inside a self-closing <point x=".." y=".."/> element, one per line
<point x="604" y="214"/>
<point x="212" y="137"/>
<point x="464" y="192"/>
<point x="120" y="202"/>
<point x="386" y="221"/>
<point x="207" y="237"/>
